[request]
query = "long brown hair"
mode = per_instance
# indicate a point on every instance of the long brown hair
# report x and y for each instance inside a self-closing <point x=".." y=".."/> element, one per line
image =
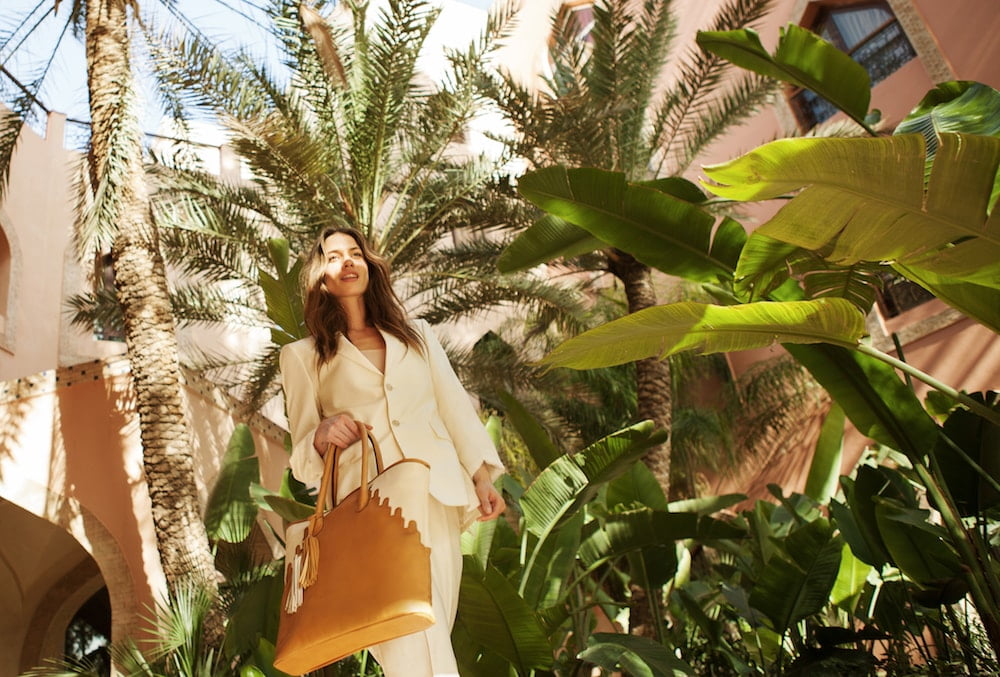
<point x="325" y="318"/>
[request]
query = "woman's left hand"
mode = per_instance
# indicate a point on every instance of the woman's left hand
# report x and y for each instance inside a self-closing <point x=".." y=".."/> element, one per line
<point x="491" y="503"/>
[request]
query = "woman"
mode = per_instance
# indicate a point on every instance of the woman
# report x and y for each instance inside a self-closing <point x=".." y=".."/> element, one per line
<point x="364" y="361"/>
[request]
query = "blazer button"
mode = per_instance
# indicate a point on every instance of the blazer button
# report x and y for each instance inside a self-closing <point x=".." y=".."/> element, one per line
<point x="395" y="423"/>
<point x="388" y="386"/>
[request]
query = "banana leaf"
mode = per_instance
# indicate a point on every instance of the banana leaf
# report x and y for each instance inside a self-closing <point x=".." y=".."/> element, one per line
<point x="254" y="616"/>
<point x="231" y="510"/>
<point x="980" y="303"/>
<point x="637" y="656"/>
<point x="915" y="545"/>
<point x="665" y="330"/>
<point x="637" y="487"/>
<point x="969" y="439"/>
<point x="962" y="107"/>
<point x="851" y="578"/>
<point x="821" y="482"/>
<point x="873" y="397"/>
<point x="495" y="616"/>
<point x="639" y="530"/>
<point x="659" y="229"/>
<point x="549" y="238"/>
<point x="546" y="582"/>
<point x="865" y="200"/>
<point x="803" y="59"/>
<point x="571" y="481"/>
<point x="796" y="583"/>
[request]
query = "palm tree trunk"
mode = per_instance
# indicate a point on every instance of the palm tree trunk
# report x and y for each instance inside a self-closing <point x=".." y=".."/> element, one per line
<point x="115" y="163"/>
<point x="653" y="379"/>
<point x="653" y="388"/>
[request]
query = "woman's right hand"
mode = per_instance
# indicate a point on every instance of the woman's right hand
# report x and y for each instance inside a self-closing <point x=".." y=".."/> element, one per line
<point x="340" y="430"/>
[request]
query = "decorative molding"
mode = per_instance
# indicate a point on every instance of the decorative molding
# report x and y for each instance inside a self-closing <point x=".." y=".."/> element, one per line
<point x="924" y="43"/>
<point x="47" y="382"/>
<point x="909" y="332"/>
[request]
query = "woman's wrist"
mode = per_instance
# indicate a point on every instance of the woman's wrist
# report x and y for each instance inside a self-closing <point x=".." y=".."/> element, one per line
<point x="482" y="475"/>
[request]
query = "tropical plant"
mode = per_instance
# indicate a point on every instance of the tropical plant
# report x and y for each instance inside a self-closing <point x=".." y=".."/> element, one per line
<point x="602" y="107"/>
<point x="352" y="134"/>
<point x="114" y="216"/>
<point x="823" y="330"/>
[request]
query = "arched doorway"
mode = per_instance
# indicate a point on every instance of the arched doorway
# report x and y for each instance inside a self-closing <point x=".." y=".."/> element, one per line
<point x="50" y="587"/>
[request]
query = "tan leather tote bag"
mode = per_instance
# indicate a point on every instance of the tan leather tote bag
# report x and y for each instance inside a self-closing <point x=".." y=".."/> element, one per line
<point x="358" y="574"/>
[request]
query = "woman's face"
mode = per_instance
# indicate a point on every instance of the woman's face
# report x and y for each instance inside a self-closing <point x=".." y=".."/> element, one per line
<point x="346" y="272"/>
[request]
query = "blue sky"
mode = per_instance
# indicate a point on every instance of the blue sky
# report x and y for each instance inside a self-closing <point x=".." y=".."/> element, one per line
<point x="231" y="23"/>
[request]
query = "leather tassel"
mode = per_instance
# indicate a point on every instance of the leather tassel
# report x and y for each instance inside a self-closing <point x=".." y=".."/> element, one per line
<point x="310" y="562"/>
<point x="294" y="599"/>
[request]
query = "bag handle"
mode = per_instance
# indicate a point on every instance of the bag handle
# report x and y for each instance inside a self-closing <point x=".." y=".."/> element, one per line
<point x="309" y="571"/>
<point x="328" y="484"/>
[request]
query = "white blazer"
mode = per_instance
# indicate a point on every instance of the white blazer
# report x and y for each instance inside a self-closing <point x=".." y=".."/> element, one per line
<point x="417" y="409"/>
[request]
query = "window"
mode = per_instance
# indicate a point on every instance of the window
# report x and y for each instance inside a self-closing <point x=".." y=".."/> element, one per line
<point x="106" y="329"/>
<point x="899" y="295"/>
<point x="870" y="33"/>
<point x="578" y="16"/>
<point x="5" y="275"/>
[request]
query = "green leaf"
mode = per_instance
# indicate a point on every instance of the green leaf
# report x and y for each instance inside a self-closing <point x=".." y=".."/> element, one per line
<point x="802" y="59"/>
<point x="659" y="229"/>
<point x="231" y="511"/>
<point x="665" y="330"/>
<point x="288" y="509"/>
<point x="253" y="620"/>
<point x="967" y="437"/>
<point x="706" y="505"/>
<point x="543" y="450"/>
<point x="495" y="616"/>
<point x="873" y="397"/>
<point x="572" y="481"/>
<point x="549" y="238"/>
<point x="821" y="483"/>
<point x="797" y="581"/>
<point x="762" y="266"/>
<point x="851" y="578"/>
<point x="980" y="303"/>
<point x="923" y="556"/>
<point x="638" y="530"/>
<point x="962" y="107"/>
<point x="859" y="195"/>
<point x="856" y="518"/>
<point x="638" y="486"/>
<point x="547" y="580"/>
<point x="635" y="655"/>
<point x="281" y="295"/>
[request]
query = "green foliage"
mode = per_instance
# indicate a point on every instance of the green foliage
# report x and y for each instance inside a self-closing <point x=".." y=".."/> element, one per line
<point x="802" y="59"/>
<point x="637" y="655"/>
<point x="231" y="513"/>
<point x="662" y="230"/>
<point x="664" y="330"/>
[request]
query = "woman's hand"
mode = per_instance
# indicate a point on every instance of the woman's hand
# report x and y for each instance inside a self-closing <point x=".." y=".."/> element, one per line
<point x="491" y="503"/>
<point x="340" y="430"/>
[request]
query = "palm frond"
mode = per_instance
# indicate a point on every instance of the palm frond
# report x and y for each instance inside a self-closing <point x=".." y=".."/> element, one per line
<point x="699" y="77"/>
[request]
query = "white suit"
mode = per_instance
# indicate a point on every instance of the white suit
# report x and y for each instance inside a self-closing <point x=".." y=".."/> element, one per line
<point x="417" y="409"/>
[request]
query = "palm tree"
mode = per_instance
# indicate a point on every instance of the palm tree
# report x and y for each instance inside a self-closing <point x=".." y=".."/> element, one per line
<point x="602" y="107"/>
<point x="351" y="134"/>
<point x="116" y="217"/>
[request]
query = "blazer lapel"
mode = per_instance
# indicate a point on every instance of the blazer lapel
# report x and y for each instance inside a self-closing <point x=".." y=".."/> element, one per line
<point x="395" y="350"/>
<point x="350" y="352"/>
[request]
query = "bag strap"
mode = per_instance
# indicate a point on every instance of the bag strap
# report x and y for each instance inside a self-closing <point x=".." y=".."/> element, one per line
<point x="328" y="484"/>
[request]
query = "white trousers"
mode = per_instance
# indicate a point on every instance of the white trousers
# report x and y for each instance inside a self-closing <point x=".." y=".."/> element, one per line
<point x="429" y="653"/>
